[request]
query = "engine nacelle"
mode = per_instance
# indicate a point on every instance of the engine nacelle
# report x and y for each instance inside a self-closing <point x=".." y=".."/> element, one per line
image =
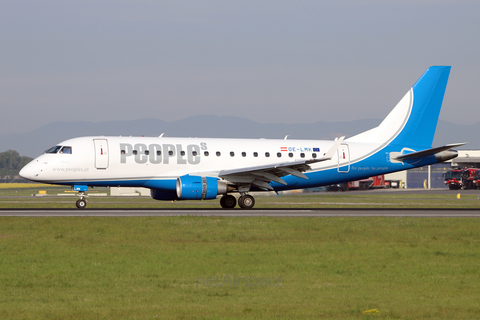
<point x="199" y="188"/>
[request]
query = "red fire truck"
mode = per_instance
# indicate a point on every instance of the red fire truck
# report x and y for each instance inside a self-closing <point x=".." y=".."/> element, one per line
<point x="470" y="178"/>
<point x="476" y="179"/>
<point x="453" y="179"/>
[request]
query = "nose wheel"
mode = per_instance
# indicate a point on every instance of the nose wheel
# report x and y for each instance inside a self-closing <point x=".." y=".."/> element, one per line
<point x="81" y="203"/>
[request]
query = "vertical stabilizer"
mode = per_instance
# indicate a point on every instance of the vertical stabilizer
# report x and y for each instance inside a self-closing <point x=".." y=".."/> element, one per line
<point x="414" y="120"/>
<point x="428" y="95"/>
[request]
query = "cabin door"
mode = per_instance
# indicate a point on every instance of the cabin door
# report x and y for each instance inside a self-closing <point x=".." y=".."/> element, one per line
<point x="343" y="158"/>
<point x="101" y="153"/>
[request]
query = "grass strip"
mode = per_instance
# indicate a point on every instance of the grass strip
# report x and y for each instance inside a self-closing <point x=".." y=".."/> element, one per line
<point x="239" y="268"/>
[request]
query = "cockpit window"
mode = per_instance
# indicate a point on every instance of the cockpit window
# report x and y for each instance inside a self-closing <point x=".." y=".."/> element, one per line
<point x="66" y="150"/>
<point x="53" y="149"/>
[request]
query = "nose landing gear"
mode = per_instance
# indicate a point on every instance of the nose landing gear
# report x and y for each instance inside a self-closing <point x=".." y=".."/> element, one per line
<point x="81" y="203"/>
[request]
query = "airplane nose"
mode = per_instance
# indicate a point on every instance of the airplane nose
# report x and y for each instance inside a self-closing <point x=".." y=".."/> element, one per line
<point x="25" y="172"/>
<point x="28" y="172"/>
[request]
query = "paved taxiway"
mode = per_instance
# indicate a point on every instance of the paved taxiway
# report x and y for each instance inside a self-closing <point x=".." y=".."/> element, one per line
<point x="432" y="213"/>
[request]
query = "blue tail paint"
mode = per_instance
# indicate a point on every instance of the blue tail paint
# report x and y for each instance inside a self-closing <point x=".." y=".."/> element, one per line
<point x="428" y="94"/>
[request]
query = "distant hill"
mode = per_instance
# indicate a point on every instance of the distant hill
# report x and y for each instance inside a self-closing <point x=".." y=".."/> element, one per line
<point x="35" y="142"/>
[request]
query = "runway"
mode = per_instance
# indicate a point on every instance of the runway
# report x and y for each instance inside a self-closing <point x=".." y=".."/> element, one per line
<point x="420" y="213"/>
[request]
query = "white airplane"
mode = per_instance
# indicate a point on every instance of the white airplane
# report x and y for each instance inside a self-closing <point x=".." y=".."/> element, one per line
<point x="201" y="168"/>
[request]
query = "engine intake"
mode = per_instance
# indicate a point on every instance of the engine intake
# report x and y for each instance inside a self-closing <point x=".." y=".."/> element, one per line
<point x="199" y="188"/>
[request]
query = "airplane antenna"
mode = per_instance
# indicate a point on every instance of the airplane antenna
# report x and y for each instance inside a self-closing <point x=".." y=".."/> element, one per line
<point x="286" y="137"/>
<point x="161" y="135"/>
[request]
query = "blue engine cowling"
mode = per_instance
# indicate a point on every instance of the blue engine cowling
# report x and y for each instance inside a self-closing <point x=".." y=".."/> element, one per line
<point x="199" y="188"/>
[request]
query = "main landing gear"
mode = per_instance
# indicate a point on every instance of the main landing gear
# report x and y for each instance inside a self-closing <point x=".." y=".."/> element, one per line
<point x="245" y="201"/>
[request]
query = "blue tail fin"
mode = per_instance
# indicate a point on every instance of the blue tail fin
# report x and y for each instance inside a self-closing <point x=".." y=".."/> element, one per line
<point x="428" y="94"/>
<point x="414" y="120"/>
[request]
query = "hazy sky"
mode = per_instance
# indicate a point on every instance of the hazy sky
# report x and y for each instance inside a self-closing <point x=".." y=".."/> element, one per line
<point x="269" y="61"/>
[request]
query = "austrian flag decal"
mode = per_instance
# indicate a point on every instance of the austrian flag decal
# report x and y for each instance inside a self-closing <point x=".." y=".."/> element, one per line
<point x="283" y="148"/>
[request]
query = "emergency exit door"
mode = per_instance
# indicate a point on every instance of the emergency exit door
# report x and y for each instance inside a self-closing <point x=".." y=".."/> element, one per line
<point x="101" y="153"/>
<point x="343" y="158"/>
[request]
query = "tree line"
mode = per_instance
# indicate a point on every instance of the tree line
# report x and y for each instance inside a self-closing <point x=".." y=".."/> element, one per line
<point x="11" y="163"/>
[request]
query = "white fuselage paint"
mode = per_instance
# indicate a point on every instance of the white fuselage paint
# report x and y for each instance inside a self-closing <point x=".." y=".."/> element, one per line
<point x="117" y="161"/>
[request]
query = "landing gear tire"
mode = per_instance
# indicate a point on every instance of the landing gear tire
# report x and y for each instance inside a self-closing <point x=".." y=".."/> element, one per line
<point x="228" y="202"/>
<point x="246" y="202"/>
<point x="81" y="203"/>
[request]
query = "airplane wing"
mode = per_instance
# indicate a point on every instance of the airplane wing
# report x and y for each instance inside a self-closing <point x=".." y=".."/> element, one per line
<point x="261" y="176"/>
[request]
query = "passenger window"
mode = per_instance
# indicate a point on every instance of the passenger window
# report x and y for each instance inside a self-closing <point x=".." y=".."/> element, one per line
<point x="135" y="152"/>
<point x="314" y="155"/>
<point x="232" y="154"/>
<point x="206" y="153"/>
<point x="267" y="154"/>
<point x="122" y="151"/>
<point x="66" y="150"/>
<point x="159" y="153"/>
<point x="182" y="153"/>
<point x="194" y="153"/>
<point x="255" y="154"/>
<point x="302" y="155"/>
<point x="290" y="155"/>
<point x="147" y="152"/>
<point x="279" y="154"/>
<point x="244" y="154"/>
<point x="218" y="154"/>
<point x="170" y="153"/>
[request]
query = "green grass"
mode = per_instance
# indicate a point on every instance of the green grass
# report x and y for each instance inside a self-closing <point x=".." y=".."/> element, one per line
<point x="324" y="268"/>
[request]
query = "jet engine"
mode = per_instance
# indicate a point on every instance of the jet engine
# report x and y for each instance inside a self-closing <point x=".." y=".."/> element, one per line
<point x="199" y="188"/>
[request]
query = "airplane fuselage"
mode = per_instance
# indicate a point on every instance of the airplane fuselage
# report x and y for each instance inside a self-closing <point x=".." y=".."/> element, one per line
<point x="153" y="161"/>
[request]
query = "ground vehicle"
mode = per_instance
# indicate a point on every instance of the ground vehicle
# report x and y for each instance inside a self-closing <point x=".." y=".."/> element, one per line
<point x="365" y="184"/>
<point x="453" y="179"/>
<point x="476" y="179"/>
<point x="470" y="177"/>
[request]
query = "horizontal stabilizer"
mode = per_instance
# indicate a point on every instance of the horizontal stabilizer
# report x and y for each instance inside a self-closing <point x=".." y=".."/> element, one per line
<point x="428" y="152"/>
